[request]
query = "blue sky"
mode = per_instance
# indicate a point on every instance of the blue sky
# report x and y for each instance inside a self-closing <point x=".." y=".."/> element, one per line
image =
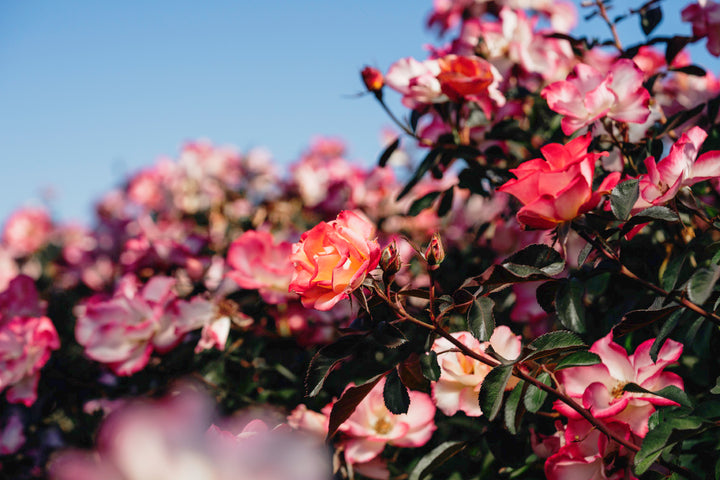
<point x="92" y="91"/>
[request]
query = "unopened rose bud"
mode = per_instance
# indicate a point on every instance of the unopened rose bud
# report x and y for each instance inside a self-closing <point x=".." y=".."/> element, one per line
<point x="390" y="261"/>
<point x="435" y="252"/>
<point x="373" y="79"/>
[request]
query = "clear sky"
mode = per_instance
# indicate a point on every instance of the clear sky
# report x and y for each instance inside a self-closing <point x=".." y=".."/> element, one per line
<point x="91" y="91"/>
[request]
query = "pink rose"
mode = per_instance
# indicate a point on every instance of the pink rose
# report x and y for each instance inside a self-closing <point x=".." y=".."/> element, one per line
<point x="682" y="167"/>
<point x="705" y="19"/>
<point x="258" y="262"/>
<point x="600" y="387"/>
<point x="558" y="188"/>
<point x="332" y="259"/>
<point x="27" y="230"/>
<point x="25" y="347"/>
<point x="461" y="376"/>
<point x="371" y="426"/>
<point x="588" y="95"/>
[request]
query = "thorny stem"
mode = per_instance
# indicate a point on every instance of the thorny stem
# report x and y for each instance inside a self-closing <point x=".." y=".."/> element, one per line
<point x="603" y="13"/>
<point x="402" y="126"/>
<point x="650" y="286"/>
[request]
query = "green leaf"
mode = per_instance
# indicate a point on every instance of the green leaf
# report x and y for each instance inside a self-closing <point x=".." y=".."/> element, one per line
<point x="546" y="293"/>
<point x="701" y="284"/>
<point x="674" y="46"/>
<point x="623" y="198"/>
<point x="430" y="366"/>
<point x="480" y="319"/>
<point x="670" y="392"/>
<point x="651" y="449"/>
<point x="665" y="330"/>
<point x="649" y="19"/>
<point x="430" y="160"/>
<point x="446" y="202"/>
<point x="534" y="259"/>
<point x="388" y="335"/>
<point x="716" y="389"/>
<point x="422" y="203"/>
<point x="654" y="213"/>
<point x="670" y="275"/>
<point x="395" y="394"/>
<point x="637" y="319"/>
<point x="583" y="255"/>
<point x="694" y="70"/>
<point x="327" y="359"/>
<point x="436" y="457"/>
<point x="514" y="410"/>
<point x="553" y="343"/>
<point x="348" y="401"/>
<point x="578" y="359"/>
<point x="534" y="397"/>
<point x="570" y="307"/>
<point x="388" y="152"/>
<point x="492" y="389"/>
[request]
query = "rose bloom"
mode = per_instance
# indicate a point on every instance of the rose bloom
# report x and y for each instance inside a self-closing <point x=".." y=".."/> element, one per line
<point x="25" y="347"/>
<point x="588" y="95"/>
<point x="705" y="18"/>
<point x="258" y="262"/>
<point x="332" y="259"/>
<point x="461" y="376"/>
<point x="371" y="426"/>
<point x="558" y="188"/>
<point x="600" y="387"/>
<point x="681" y="168"/>
<point x="27" y="230"/>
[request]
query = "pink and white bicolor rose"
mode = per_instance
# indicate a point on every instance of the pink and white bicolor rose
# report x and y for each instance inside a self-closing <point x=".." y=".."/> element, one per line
<point x="705" y="19"/>
<point x="681" y="168"/>
<point x="257" y="261"/>
<point x="588" y="95"/>
<point x="27" y="230"/>
<point x="461" y="376"/>
<point x="600" y="387"/>
<point x="372" y="426"/>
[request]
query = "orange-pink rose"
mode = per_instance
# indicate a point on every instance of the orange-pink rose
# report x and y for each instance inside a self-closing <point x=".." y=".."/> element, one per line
<point x="332" y="259"/>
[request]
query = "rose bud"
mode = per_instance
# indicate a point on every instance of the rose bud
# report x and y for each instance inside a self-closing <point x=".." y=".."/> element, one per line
<point x="390" y="262"/>
<point x="373" y="79"/>
<point x="435" y="252"/>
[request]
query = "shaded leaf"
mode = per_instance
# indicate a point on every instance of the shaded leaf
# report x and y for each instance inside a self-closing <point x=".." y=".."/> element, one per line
<point x="570" y="307"/>
<point x="436" y="457"/>
<point x="536" y="258"/>
<point x="388" y="152"/>
<point x="395" y="394"/>
<point x="553" y="343"/>
<point x="701" y="284"/>
<point x="649" y="19"/>
<point x="657" y="212"/>
<point x="694" y="70"/>
<point x="514" y="409"/>
<point x="480" y="319"/>
<point x="670" y="392"/>
<point x="674" y="46"/>
<point x="446" y="202"/>
<point x="430" y="160"/>
<point x="492" y="389"/>
<point x="578" y="359"/>
<point x="422" y="203"/>
<point x="665" y="330"/>
<point x="327" y="359"/>
<point x="534" y="397"/>
<point x="348" y="401"/>
<point x="411" y="373"/>
<point x="545" y="295"/>
<point x="430" y="366"/>
<point x="388" y="335"/>
<point x="637" y="319"/>
<point x="623" y="198"/>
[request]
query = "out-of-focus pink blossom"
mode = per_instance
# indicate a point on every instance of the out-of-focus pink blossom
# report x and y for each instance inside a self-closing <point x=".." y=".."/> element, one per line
<point x="588" y="95"/>
<point x="600" y="387"/>
<point x="461" y="376"/>
<point x="372" y="426"/>
<point x="259" y="262"/>
<point x="416" y="81"/>
<point x="25" y="346"/>
<point x="332" y="259"/>
<point x="584" y="453"/>
<point x="21" y="299"/>
<point x="558" y="188"/>
<point x="27" y="230"/>
<point x="682" y="167"/>
<point x="705" y="19"/>
<point x="124" y="330"/>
